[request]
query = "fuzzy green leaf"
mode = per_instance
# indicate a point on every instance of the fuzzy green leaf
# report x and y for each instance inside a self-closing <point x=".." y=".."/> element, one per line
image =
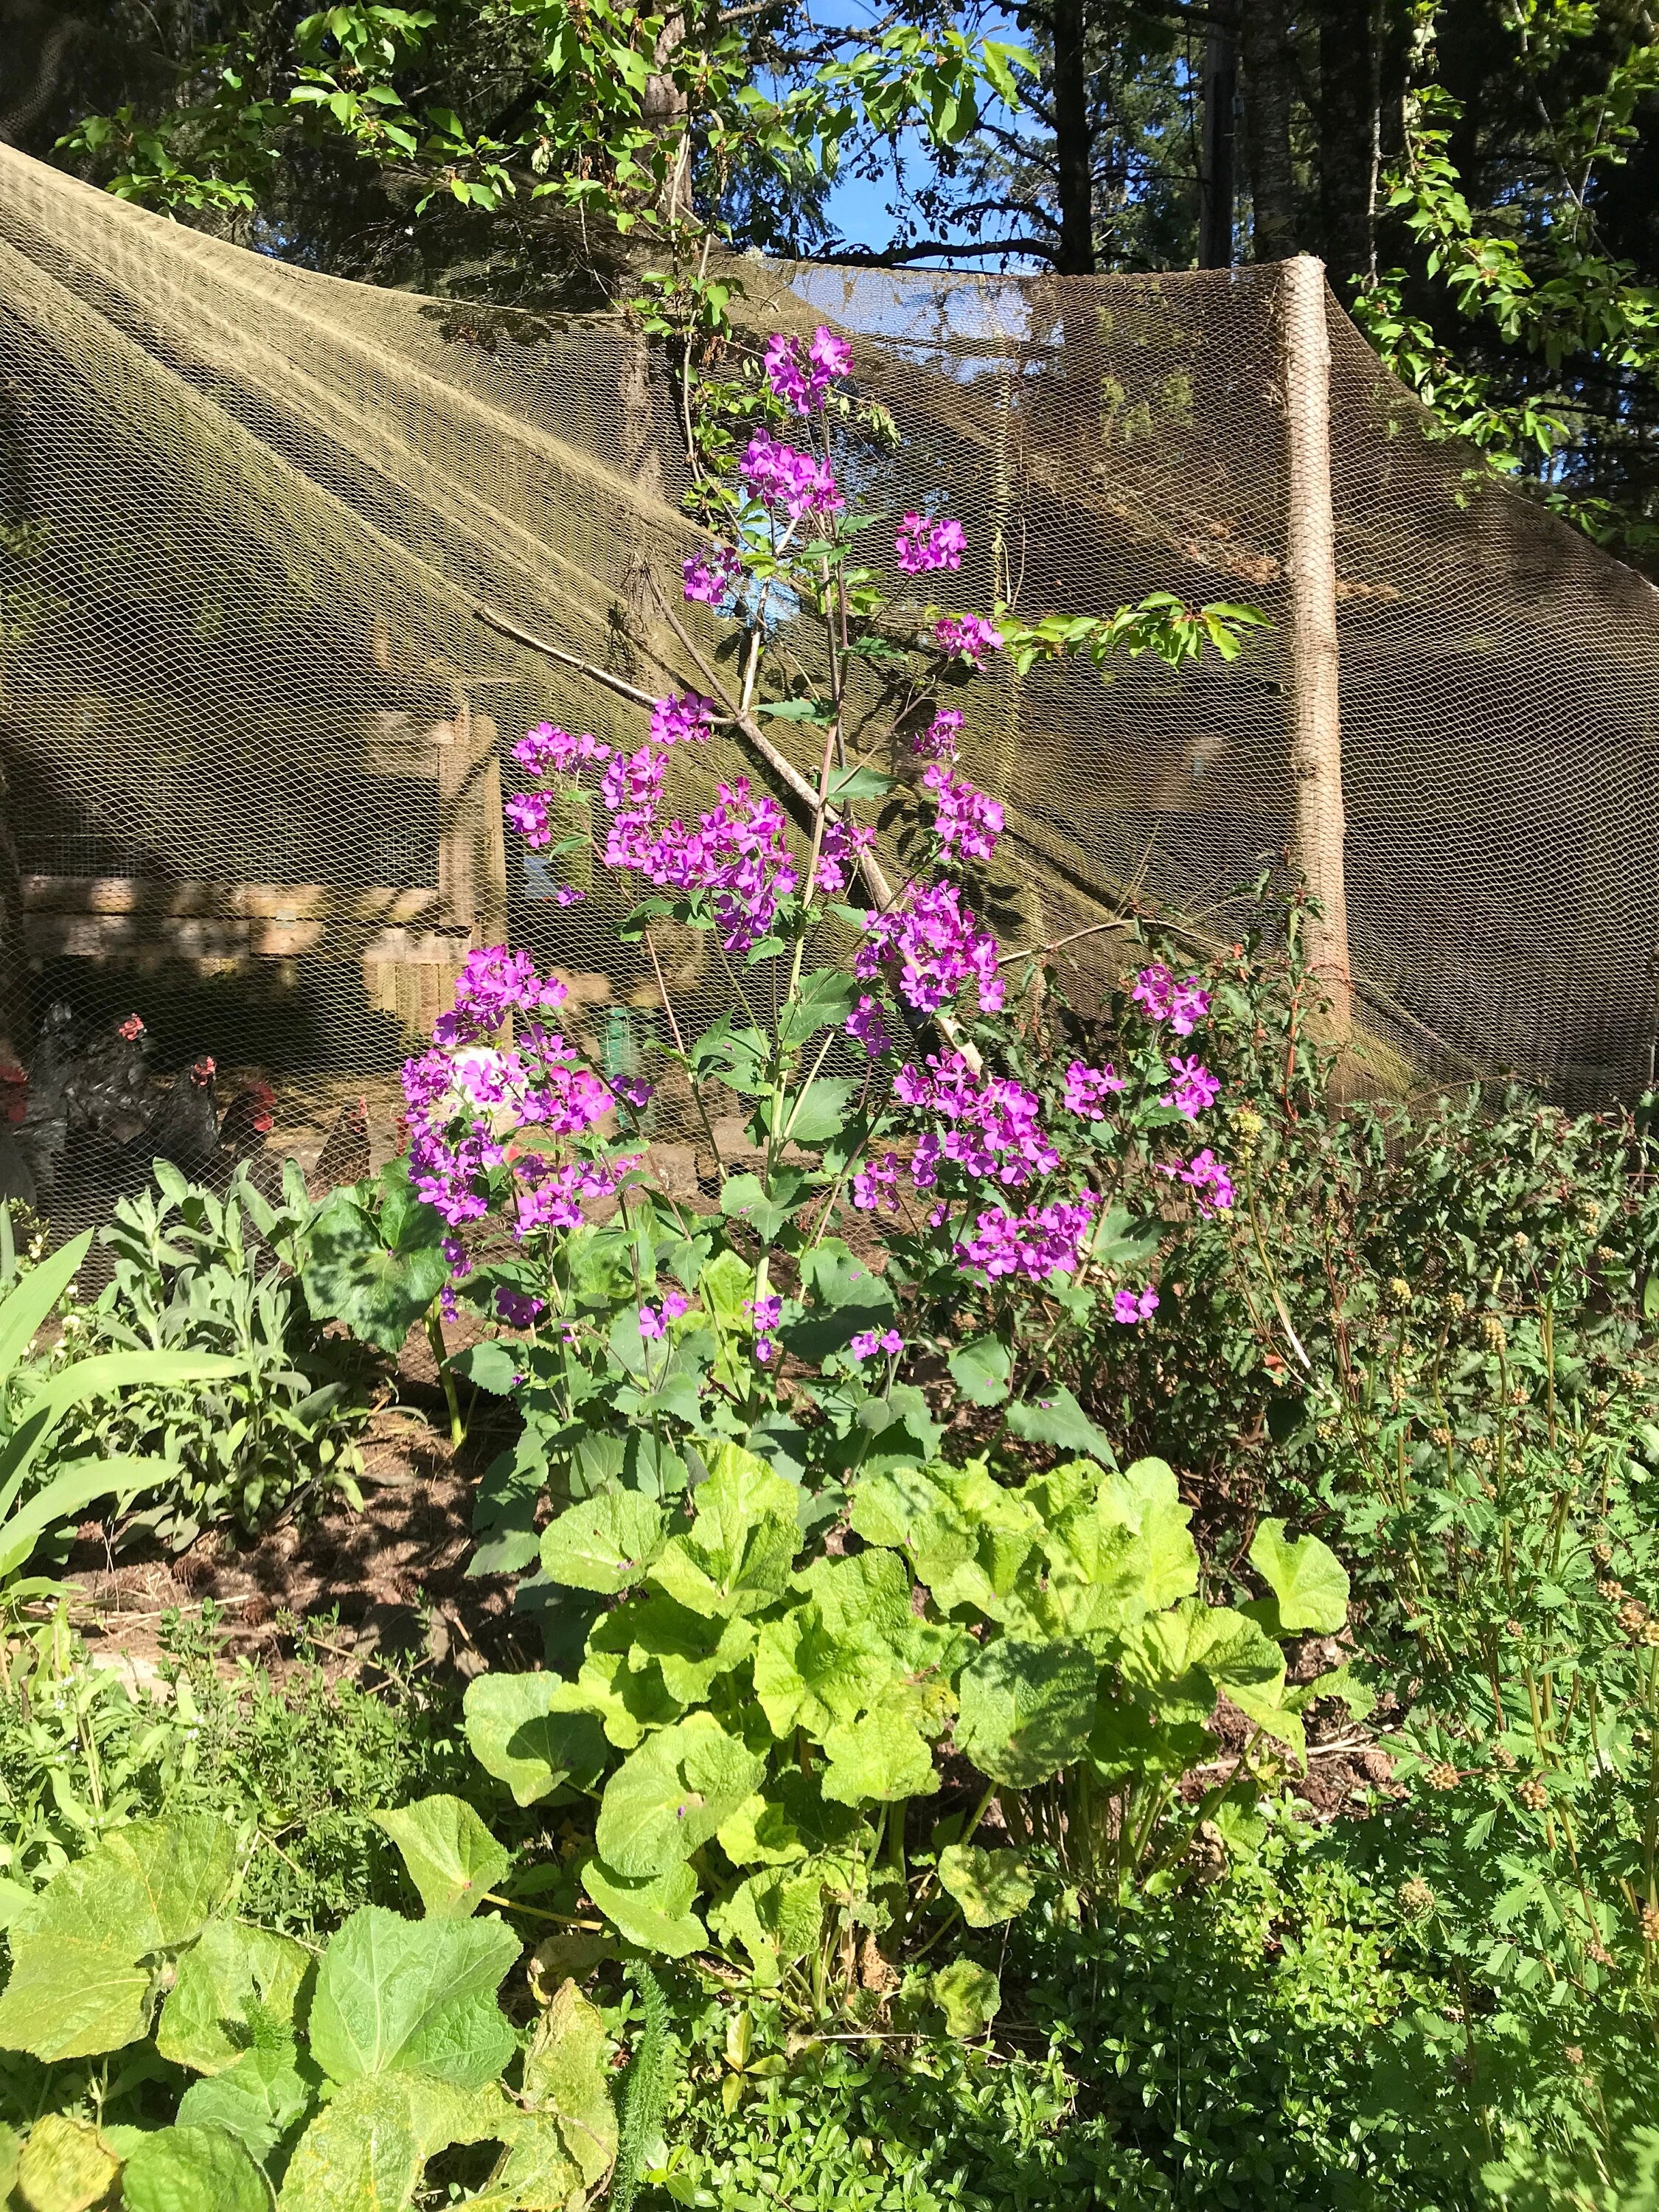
<point x="988" y="1886"/>
<point x="653" y="1912"/>
<point x="604" y="1543"/>
<point x="882" y="1759"/>
<point x="192" y="2169"/>
<point x="534" y="1732"/>
<point x="667" y="1798"/>
<point x="396" y="1995"/>
<point x="1309" y="1581"/>
<point x="566" y="2071"/>
<point x="737" y="1556"/>
<point x="229" y="1964"/>
<point x="968" y="1995"/>
<point x="1026" y="1708"/>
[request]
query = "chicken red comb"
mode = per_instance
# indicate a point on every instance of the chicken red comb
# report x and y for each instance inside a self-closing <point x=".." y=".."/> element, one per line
<point x="132" y="1027"/>
<point x="204" y="1069"/>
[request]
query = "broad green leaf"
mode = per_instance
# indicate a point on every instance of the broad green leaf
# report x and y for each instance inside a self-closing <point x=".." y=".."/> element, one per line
<point x="1307" y="1579"/>
<point x="968" y="1995"/>
<point x="761" y="1833"/>
<point x="1057" y="1418"/>
<point x="76" y="1987"/>
<point x="257" y="2101"/>
<point x="737" y="1555"/>
<point x="1146" y="1496"/>
<point x="630" y="1700"/>
<point x="982" y="1369"/>
<point x="667" y="1798"/>
<point x="604" y="1543"/>
<point x="9" y="2145"/>
<point x="777" y="1916"/>
<point x="882" y="1759"/>
<point x="988" y="1886"/>
<point x="1183" y="1660"/>
<point x="204" y="2023"/>
<point x="820" y="1110"/>
<point x="413" y="1996"/>
<point x="534" y="1732"/>
<point x="566" y="2071"/>
<point x="192" y="2169"/>
<point x="823" y="1000"/>
<point x="689" y="1650"/>
<point x="807" y="1676"/>
<point x="1026" y="1709"/>
<point x="377" y="1277"/>
<point x="653" y="1912"/>
<point x="859" y="782"/>
<point x="452" y="1857"/>
<point x="835" y="1276"/>
<point x="66" y="2165"/>
<point x="367" y="2147"/>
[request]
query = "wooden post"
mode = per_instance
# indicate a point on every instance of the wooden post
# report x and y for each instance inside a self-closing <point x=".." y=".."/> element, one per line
<point x="1316" y="728"/>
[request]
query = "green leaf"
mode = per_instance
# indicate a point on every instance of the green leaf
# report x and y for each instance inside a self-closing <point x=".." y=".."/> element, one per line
<point x="652" y="1912"/>
<point x="257" y="2101"/>
<point x="66" y="2165"/>
<point x="76" y="1987"/>
<point x="795" y="710"/>
<point x="1307" y="1579"/>
<point x="777" y="1916"/>
<point x="742" y="1198"/>
<point x="982" y="1369"/>
<point x="367" y="2147"/>
<point x="823" y="1000"/>
<point x="858" y="783"/>
<point x="1026" y="1709"/>
<point x="820" y="1110"/>
<point x="534" y="1732"/>
<point x="566" y="2071"/>
<point x="989" y="1886"/>
<point x="450" y="1856"/>
<point x="1184" y="1660"/>
<point x="378" y="1277"/>
<point x="968" y="1995"/>
<point x="667" y="1798"/>
<point x="737" y="1556"/>
<point x="227" y="1966"/>
<point x="192" y="2169"/>
<point x="396" y="1995"/>
<point x="881" y="1759"/>
<point x="1057" y="1418"/>
<point x="604" y="1543"/>
<point x="835" y="1276"/>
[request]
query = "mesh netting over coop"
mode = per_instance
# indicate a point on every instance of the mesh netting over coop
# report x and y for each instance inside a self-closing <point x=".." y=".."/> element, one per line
<point x="253" y="729"/>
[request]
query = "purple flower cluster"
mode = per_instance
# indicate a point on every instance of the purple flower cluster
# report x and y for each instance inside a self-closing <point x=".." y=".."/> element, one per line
<point x="866" y="1027"/>
<point x="922" y="545"/>
<point x="1193" y="1088"/>
<point x="800" y="373"/>
<point x="1086" y="1086"/>
<point x="738" y="852"/>
<point x="1161" y="999"/>
<point x="938" y="947"/>
<point x="654" y="1320"/>
<point x="838" y="854"/>
<point x="792" y="482"/>
<point x="868" y="1342"/>
<point x="967" y="637"/>
<point x="526" y="812"/>
<point x="518" y="1309"/>
<point x="683" y="718"/>
<point x="1033" y="1244"/>
<point x="1131" y="1306"/>
<point x="940" y="740"/>
<point x="874" y="1187"/>
<point x="545" y="750"/>
<point x="494" y="983"/>
<point x="710" y="577"/>
<point x="1208" y="1180"/>
<point x="991" y="1125"/>
<point x="469" y="1105"/>
<point x="967" y="822"/>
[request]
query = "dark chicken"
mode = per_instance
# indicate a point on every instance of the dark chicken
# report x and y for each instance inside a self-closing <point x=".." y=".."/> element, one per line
<point x="184" y="1127"/>
<point x="344" y="1157"/>
<point x="249" y="1120"/>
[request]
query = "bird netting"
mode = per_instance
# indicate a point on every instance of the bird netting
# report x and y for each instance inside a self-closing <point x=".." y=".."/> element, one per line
<point x="253" y="725"/>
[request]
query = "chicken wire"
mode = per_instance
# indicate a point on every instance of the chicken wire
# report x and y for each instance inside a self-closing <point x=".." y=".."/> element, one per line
<point x="253" y="731"/>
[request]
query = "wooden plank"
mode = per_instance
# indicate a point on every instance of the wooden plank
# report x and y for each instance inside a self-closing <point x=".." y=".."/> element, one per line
<point x="194" y="937"/>
<point x="382" y="903"/>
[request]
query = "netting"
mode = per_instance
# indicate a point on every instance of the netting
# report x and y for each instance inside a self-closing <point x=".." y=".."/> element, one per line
<point x="253" y="730"/>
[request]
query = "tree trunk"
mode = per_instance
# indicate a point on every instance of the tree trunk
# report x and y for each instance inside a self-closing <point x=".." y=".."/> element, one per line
<point x="1218" y="174"/>
<point x="1346" y="121"/>
<point x="1073" y="143"/>
<point x="663" y="112"/>
<point x="1267" y="129"/>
